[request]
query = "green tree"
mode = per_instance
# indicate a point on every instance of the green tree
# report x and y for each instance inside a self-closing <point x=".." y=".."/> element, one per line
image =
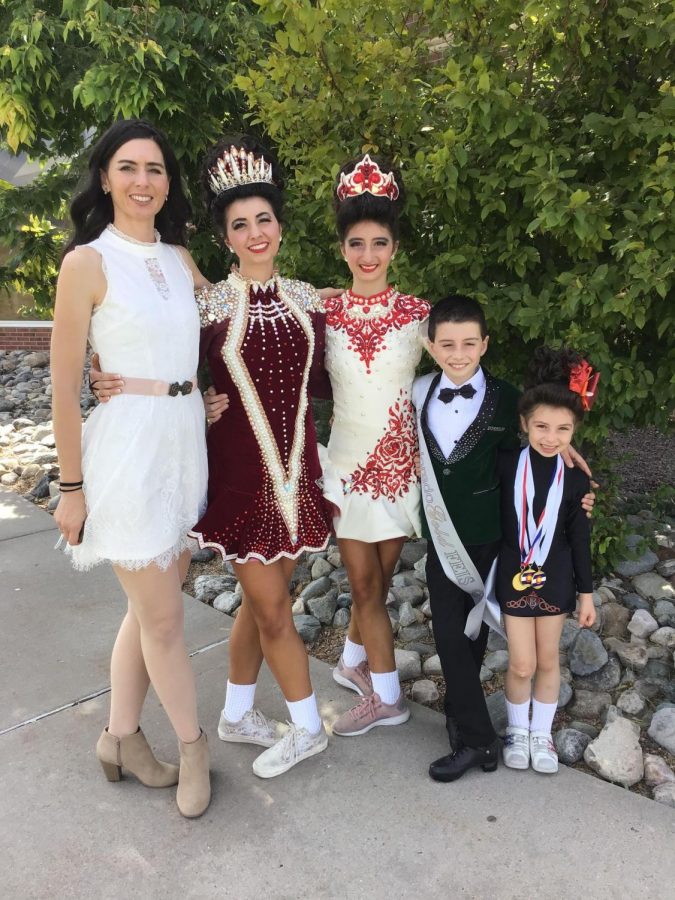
<point x="536" y="141"/>
<point x="68" y="68"/>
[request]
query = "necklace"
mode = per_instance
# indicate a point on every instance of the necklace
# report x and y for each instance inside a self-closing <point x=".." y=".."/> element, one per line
<point x="125" y="237"/>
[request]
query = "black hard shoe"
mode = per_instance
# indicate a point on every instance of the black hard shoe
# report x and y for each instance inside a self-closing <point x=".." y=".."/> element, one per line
<point x="452" y="728"/>
<point x="453" y="766"/>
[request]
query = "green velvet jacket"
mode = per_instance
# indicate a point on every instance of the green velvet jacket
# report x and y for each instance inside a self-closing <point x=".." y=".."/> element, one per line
<point x="468" y="477"/>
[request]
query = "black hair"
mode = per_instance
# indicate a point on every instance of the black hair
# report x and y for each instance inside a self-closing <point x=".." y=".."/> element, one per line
<point x="547" y="382"/>
<point x="456" y="308"/>
<point x="92" y="209"/>
<point x="365" y="207"/>
<point x="217" y="204"/>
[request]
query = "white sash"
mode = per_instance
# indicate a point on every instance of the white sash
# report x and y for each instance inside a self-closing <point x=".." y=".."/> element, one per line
<point x="456" y="562"/>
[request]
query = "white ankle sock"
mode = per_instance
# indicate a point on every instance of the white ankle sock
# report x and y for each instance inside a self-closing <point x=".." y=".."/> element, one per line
<point x="353" y="654"/>
<point x="542" y="716"/>
<point x="518" y="714"/>
<point x="305" y="714"/>
<point x="387" y="686"/>
<point x="238" y="700"/>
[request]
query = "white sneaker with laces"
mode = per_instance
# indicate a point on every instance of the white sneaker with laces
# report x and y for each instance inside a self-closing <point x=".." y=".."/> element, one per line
<point x="543" y="753"/>
<point x="253" y="728"/>
<point x="297" y="744"/>
<point x="516" y="751"/>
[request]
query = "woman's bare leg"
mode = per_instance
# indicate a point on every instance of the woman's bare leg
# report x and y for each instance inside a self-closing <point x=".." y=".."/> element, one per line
<point x="156" y="600"/>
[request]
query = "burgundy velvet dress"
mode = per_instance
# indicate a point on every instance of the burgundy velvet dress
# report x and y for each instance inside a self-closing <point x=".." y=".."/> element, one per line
<point x="264" y="345"/>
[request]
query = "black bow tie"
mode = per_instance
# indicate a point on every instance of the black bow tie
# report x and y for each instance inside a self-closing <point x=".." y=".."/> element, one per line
<point x="447" y="395"/>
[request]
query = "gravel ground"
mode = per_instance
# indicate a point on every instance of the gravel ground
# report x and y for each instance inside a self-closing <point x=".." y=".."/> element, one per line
<point x="645" y="458"/>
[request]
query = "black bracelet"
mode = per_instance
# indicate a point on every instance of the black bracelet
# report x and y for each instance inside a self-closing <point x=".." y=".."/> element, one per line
<point x="70" y="490"/>
<point x="71" y="484"/>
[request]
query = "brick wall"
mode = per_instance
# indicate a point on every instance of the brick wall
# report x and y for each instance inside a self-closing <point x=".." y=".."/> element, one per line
<point x="25" y="335"/>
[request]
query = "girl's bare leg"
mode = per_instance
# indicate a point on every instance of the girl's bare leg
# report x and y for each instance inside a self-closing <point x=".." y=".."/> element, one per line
<point x="267" y="597"/>
<point x="547" y="677"/>
<point x="520" y="632"/>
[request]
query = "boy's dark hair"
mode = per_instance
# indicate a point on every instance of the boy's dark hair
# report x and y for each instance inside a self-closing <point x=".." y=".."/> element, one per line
<point x="547" y="383"/>
<point x="456" y="308"/>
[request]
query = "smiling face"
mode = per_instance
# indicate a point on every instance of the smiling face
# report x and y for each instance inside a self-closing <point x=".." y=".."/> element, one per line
<point x="457" y="348"/>
<point x="253" y="233"/>
<point x="368" y="248"/>
<point x="549" y="429"/>
<point x="138" y="183"/>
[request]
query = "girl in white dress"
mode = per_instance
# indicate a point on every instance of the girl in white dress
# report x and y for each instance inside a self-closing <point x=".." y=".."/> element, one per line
<point x="133" y="481"/>
<point x="372" y="350"/>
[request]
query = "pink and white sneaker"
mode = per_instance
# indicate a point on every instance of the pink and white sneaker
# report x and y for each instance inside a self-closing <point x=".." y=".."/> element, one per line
<point x="368" y="713"/>
<point x="543" y="753"/>
<point x="356" y="678"/>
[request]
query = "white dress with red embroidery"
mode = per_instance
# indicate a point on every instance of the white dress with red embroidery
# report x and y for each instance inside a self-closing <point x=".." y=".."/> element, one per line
<point x="373" y="347"/>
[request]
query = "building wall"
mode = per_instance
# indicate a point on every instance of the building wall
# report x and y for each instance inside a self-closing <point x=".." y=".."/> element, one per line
<point x="25" y="335"/>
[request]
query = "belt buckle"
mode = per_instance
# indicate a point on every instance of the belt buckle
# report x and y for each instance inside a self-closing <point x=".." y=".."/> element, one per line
<point x="175" y="388"/>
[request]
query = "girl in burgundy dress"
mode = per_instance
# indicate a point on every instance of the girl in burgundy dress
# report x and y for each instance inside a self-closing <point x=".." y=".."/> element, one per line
<point x="263" y="337"/>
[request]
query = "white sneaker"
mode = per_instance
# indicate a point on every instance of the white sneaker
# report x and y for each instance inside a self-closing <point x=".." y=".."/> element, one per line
<point x="542" y="751"/>
<point x="253" y="728"/>
<point x="516" y="750"/>
<point x="297" y="744"/>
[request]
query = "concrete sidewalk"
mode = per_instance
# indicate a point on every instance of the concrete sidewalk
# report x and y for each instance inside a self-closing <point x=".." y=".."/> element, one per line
<point x="360" y="821"/>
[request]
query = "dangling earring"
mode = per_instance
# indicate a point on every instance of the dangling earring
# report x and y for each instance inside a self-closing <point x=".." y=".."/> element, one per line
<point x="106" y="190"/>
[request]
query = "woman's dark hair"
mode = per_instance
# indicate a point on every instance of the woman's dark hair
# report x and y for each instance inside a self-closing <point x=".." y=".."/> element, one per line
<point x="217" y="204"/>
<point x="547" y="382"/>
<point x="91" y="209"/>
<point x="365" y="207"/>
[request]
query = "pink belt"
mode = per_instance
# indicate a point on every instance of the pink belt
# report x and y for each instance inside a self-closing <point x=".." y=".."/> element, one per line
<point x="148" y="386"/>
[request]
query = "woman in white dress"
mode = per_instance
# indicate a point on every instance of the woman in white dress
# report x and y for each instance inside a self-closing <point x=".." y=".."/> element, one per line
<point x="372" y="350"/>
<point x="133" y="481"/>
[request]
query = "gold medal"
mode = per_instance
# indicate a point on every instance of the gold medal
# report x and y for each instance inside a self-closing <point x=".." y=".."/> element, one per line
<point x="523" y="579"/>
<point x="538" y="579"/>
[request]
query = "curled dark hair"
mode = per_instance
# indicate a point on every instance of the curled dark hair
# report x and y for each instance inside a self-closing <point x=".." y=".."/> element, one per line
<point x="91" y="209"/>
<point x="217" y="204"/>
<point x="365" y="207"/>
<point x="547" y="382"/>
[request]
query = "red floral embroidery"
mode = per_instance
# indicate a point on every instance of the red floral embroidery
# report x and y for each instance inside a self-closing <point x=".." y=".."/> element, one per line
<point x="389" y="470"/>
<point x="367" y="332"/>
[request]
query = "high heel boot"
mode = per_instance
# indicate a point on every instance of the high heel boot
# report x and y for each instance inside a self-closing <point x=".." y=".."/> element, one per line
<point x="194" y="785"/>
<point x="132" y="752"/>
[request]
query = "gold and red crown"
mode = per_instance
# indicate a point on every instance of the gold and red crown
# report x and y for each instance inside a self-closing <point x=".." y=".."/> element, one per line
<point x="367" y="177"/>
<point x="239" y="166"/>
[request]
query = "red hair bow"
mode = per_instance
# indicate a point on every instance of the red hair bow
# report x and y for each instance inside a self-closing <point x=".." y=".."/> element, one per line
<point x="584" y="381"/>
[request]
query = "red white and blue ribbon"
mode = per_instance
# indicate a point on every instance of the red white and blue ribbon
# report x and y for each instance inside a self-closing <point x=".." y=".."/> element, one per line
<point x="535" y="538"/>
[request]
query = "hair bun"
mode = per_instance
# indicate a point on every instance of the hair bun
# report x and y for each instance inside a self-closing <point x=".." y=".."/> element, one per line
<point x="549" y="366"/>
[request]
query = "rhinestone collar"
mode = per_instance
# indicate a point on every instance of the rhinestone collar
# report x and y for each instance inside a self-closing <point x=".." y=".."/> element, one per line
<point x="381" y="299"/>
<point x="251" y="283"/>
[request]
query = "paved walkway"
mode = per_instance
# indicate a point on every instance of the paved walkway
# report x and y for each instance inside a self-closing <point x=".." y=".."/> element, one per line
<point x="361" y="821"/>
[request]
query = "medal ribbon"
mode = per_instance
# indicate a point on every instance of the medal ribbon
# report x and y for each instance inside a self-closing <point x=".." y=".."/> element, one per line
<point x="536" y="549"/>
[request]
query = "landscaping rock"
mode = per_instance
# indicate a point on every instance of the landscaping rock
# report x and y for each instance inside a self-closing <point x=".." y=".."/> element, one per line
<point x="308" y="627"/>
<point x="416" y="632"/>
<point x="642" y="624"/>
<point x="408" y="664"/>
<point x="570" y="745"/>
<point x="587" y="653"/>
<point x="318" y="588"/>
<point x="206" y="554"/>
<point x="227" y="602"/>
<point x="615" y="619"/>
<point x="424" y="691"/>
<point x="615" y="754"/>
<point x="344" y="601"/>
<point x="412" y="594"/>
<point x="653" y="587"/>
<point x="496" y="641"/>
<point x="662" y="729"/>
<point x="565" y="695"/>
<point x="412" y="552"/>
<point x="406" y="615"/>
<point x="496" y="705"/>
<point x="298" y="607"/>
<point x="657" y="771"/>
<point x="605" y="679"/>
<point x="665" y="793"/>
<point x="569" y="633"/>
<point x="664" y="637"/>
<point x="666" y="568"/>
<point x="207" y="587"/>
<point x="589" y="704"/>
<point x="320" y="568"/>
<point x="588" y="729"/>
<point x="432" y="666"/>
<point x="632" y="567"/>
<point x="342" y="618"/>
<point x="635" y="601"/>
<point x="664" y="611"/>
<point x="632" y="655"/>
<point x="497" y="661"/>
<point x="631" y="703"/>
<point x="322" y="608"/>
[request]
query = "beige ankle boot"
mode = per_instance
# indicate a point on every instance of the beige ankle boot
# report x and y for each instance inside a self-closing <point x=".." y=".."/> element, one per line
<point x="133" y="753"/>
<point x="194" y="785"/>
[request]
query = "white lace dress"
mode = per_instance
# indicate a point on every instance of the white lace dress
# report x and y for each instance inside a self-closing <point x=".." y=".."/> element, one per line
<point x="373" y="347"/>
<point x="143" y="457"/>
